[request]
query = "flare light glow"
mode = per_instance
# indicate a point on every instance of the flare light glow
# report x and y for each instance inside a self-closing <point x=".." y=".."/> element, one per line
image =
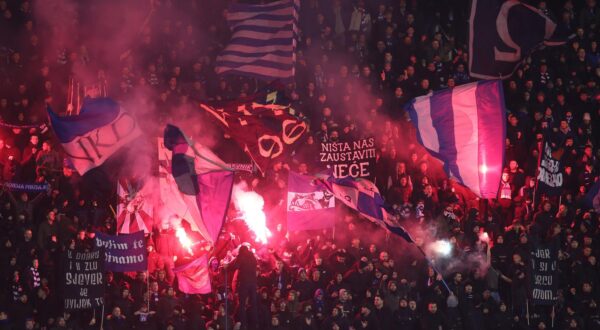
<point x="184" y="240"/>
<point x="250" y="204"/>
<point x="442" y="248"/>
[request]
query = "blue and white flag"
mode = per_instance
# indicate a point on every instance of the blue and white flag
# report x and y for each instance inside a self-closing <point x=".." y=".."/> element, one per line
<point x="503" y="33"/>
<point x="263" y="40"/>
<point x="310" y="205"/>
<point x="100" y="129"/>
<point x="592" y="198"/>
<point x="465" y="128"/>
<point x="363" y="196"/>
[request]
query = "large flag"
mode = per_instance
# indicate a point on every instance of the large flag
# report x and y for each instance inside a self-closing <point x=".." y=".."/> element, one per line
<point x="203" y="180"/>
<point x="193" y="278"/>
<point x="592" y="198"/>
<point x="266" y="132"/>
<point x="503" y="33"/>
<point x="263" y="40"/>
<point x="310" y="205"/>
<point x="550" y="172"/>
<point x="135" y="207"/>
<point x="465" y="128"/>
<point x="100" y="129"/>
<point x="363" y="196"/>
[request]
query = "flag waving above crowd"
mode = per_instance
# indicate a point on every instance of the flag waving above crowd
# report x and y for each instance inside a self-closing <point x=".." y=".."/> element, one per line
<point x="100" y="130"/>
<point x="464" y="128"/>
<point x="204" y="181"/>
<point x="263" y="40"/>
<point x="266" y="132"/>
<point x="363" y="196"/>
<point x="503" y="34"/>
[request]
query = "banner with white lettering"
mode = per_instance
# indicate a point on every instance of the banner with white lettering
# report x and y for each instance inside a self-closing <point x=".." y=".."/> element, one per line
<point x="26" y="187"/>
<point x="504" y="33"/>
<point x="266" y="132"/>
<point x="83" y="279"/>
<point x="550" y="174"/>
<point x="123" y="253"/>
<point x="352" y="158"/>
<point x="544" y="273"/>
<point x="100" y="130"/>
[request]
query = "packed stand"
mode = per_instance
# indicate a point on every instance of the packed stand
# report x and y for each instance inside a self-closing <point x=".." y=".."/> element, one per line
<point x="358" y="64"/>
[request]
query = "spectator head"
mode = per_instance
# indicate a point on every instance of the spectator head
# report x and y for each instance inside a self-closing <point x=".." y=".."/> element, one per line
<point x="302" y="274"/>
<point x="343" y="295"/>
<point x="275" y="321"/>
<point x="378" y="302"/>
<point x="517" y="258"/>
<point x="46" y="146"/>
<point x="43" y="292"/>
<point x="29" y="324"/>
<point x="116" y="313"/>
<point x="170" y="292"/>
<point x="432" y="307"/>
<point x="27" y="235"/>
<point x="51" y="216"/>
<point x="384" y="256"/>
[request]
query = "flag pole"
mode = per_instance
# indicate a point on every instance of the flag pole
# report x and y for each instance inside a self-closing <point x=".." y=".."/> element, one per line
<point x="535" y="189"/>
<point x="225" y="297"/>
<point x="148" y="283"/>
<point x="527" y="307"/>
<point x="434" y="268"/>
<point x="189" y="142"/>
<point x="102" y="319"/>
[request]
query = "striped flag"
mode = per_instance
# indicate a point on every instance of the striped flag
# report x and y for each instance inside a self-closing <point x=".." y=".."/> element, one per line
<point x="465" y="128"/>
<point x="363" y="196"/>
<point x="135" y="210"/>
<point x="263" y="40"/>
<point x="592" y="198"/>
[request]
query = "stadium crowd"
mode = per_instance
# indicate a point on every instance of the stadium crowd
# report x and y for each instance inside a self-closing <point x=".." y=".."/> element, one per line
<point x="358" y="64"/>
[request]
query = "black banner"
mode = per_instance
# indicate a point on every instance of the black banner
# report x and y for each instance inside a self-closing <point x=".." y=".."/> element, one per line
<point x="26" y="187"/>
<point x="83" y="279"/>
<point x="550" y="176"/>
<point x="353" y="158"/>
<point x="544" y="273"/>
<point x="125" y="252"/>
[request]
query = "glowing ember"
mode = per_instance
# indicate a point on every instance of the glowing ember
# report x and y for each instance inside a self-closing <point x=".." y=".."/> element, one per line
<point x="184" y="240"/>
<point x="484" y="237"/>
<point x="442" y="248"/>
<point x="251" y="204"/>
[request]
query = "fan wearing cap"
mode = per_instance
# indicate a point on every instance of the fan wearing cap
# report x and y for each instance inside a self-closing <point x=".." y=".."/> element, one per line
<point x="303" y="286"/>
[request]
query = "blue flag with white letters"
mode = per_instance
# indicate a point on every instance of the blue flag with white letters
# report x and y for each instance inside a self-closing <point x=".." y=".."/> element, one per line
<point x="96" y="133"/>
<point x="503" y="33"/>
